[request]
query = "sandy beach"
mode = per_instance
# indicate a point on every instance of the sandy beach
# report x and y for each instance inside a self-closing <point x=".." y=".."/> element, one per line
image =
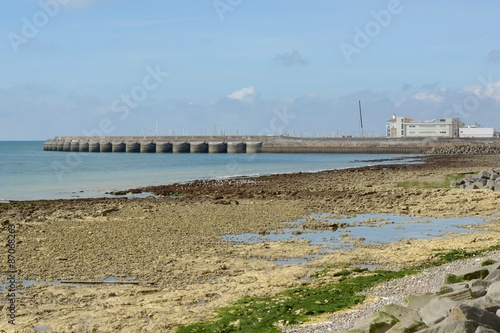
<point x="171" y="245"/>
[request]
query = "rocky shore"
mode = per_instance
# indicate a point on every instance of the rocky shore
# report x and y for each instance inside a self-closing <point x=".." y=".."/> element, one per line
<point x="174" y="241"/>
<point x="465" y="149"/>
<point x="426" y="302"/>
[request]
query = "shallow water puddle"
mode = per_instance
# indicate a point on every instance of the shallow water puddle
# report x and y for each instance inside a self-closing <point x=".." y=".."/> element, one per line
<point x="341" y="232"/>
<point x="110" y="280"/>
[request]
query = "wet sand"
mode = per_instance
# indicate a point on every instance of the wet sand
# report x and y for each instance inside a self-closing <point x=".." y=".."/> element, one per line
<point x="175" y="241"/>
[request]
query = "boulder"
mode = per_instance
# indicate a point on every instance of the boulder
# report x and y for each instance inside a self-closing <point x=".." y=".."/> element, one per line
<point x="467" y="303"/>
<point x="409" y="320"/>
<point x="380" y="322"/>
<point x="482" y="329"/>
<point x="484" y="174"/>
<point x="493" y="293"/>
<point x="480" y="283"/>
<point x="464" y="312"/>
<point x="471" y="178"/>
<point x="468" y="274"/>
<point x="485" y="303"/>
<point x="449" y="326"/>
<point x="478" y="291"/>
<point x="418" y="301"/>
<point x="436" y="311"/>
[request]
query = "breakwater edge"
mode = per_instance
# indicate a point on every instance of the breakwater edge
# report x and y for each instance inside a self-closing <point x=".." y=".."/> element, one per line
<point x="271" y="144"/>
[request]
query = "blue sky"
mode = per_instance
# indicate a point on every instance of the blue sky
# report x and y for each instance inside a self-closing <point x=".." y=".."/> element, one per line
<point x="129" y="67"/>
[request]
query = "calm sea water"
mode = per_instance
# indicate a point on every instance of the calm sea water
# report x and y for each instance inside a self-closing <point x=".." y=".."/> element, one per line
<point x="29" y="173"/>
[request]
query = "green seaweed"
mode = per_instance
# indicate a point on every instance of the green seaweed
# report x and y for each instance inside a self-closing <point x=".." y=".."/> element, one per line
<point x="262" y="314"/>
<point x="292" y="306"/>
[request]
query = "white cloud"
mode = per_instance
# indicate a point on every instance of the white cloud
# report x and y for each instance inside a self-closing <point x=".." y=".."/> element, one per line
<point x="492" y="90"/>
<point x="427" y="96"/>
<point x="245" y="95"/>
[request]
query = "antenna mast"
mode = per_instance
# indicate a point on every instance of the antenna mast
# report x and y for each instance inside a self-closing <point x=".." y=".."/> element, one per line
<point x="361" y="121"/>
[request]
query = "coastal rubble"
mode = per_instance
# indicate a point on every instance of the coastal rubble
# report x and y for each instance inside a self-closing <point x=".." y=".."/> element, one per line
<point x="465" y="149"/>
<point x="486" y="179"/>
<point x="470" y="304"/>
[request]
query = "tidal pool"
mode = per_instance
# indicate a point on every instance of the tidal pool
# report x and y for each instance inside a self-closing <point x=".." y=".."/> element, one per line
<point x="341" y="232"/>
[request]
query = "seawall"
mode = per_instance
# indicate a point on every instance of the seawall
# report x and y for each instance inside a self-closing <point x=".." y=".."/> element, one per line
<point x="260" y="144"/>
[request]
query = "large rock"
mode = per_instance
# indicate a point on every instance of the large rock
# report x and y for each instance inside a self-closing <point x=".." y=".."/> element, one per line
<point x="467" y="303"/>
<point x="436" y="311"/>
<point x="409" y="320"/>
<point x="482" y="329"/>
<point x="418" y="301"/>
<point x="487" y="179"/>
<point x="468" y="274"/>
<point x="380" y="322"/>
<point x="485" y="174"/>
<point x="449" y="326"/>
<point x="493" y="293"/>
<point x="464" y="312"/>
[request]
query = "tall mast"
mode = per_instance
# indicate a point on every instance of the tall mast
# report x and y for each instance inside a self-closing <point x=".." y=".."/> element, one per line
<point x="361" y="121"/>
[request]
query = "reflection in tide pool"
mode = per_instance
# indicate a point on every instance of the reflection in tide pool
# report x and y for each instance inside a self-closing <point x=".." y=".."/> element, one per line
<point x="340" y="232"/>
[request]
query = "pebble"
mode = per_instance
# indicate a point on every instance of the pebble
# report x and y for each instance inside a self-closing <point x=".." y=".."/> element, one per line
<point x="390" y="292"/>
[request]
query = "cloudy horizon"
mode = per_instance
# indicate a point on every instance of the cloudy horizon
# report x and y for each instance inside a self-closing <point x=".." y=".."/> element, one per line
<point x="76" y="67"/>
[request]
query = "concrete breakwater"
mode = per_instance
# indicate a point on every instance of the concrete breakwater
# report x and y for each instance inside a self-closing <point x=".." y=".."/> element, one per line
<point x="150" y="145"/>
<point x="269" y="144"/>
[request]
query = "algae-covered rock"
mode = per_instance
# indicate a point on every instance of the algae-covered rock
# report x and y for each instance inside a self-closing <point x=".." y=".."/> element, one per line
<point x="380" y="322"/>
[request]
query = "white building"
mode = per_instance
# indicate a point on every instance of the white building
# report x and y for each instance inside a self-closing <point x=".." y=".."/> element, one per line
<point x="474" y="131"/>
<point x="402" y="127"/>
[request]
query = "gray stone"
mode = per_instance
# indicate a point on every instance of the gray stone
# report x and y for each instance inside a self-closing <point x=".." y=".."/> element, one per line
<point x="407" y="327"/>
<point x="482" y="329"/>
<point x="486" y="304"/>
<point x="480" y="283"/>
<point x="468" y="274"/>
<point x="490" y="184"/>
<point x="464" y="312"/>
<point x="484" y="174"/>
<point x="478" y="291"/>
<point x="471" y="178"/>
<point x="473" y="187"/>
<point x="494" y="273"/>
<point x="436" y="311"/>
<point x="480" y="184"/>
<point x="460" y="294"/>
<point x="380" y="322"/>
<point x="409" y="320"/>
<point x="497" y="187"/>
<point x="493" y="293"/>
<point x="493" y="267"/>
<point x="418" y="301"/>
<point x="453" y="327"/>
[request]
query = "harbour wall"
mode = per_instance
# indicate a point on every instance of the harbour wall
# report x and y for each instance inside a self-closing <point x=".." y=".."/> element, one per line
<point x="259" y="144"/>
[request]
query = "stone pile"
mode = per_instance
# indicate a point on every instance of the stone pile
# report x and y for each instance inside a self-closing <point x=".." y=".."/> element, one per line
<point x="468" y="302"/>
<point x="465" y="150"/>
<point x="487" y="179"/>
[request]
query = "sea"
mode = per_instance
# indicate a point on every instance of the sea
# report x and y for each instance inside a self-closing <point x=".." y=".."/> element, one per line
<point x="27" y="172"/>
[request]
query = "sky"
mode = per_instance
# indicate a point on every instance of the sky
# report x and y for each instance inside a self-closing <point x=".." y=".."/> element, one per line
<point x="268" y="67"/>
